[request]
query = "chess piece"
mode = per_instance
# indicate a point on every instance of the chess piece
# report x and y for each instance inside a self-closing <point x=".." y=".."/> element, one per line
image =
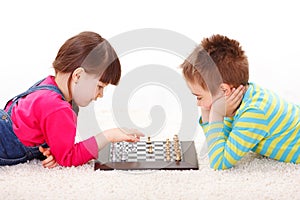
<point x="123" y="151"/>
<point x="175" y="138"/>
<point x="168" y="158"/>
<point x="178" y="157"/>
<point x="167" y="147"/>
<point x="123" y="156"/>
<point x="134" y="147"/>
<point x="150" y="150"/>
<point x="113" y="152"/>
<point x="148" y="141"/>
<point x="168" y="153"/>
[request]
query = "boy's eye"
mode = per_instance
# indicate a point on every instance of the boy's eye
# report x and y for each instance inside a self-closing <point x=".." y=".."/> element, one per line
<point x="199" y="98"/>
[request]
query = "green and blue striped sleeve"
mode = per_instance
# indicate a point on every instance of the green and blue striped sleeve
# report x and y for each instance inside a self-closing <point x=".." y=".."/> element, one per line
<point x="247" y="131"/>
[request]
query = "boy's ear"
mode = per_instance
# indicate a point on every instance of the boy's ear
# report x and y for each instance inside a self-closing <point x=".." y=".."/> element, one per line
<point x="225" y="88"/>
<point x="77" y="73"/>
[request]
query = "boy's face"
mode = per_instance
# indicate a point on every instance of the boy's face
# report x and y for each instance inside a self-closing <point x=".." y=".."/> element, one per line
<point x="204" y="98"/>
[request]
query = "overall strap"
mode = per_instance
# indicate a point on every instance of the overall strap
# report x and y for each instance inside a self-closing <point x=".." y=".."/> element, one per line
<point x="33" y="88"/>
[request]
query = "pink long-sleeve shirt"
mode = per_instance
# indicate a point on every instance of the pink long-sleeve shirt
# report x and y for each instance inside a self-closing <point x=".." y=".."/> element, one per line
<point x="43" y="116"/>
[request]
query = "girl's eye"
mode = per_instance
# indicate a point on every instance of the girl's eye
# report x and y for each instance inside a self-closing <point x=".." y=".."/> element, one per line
<point x="199" y="98"/>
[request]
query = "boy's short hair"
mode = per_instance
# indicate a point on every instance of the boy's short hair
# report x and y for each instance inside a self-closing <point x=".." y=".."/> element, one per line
<point x="217" y="59"/>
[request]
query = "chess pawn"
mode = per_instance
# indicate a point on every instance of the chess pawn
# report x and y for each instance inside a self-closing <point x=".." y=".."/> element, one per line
<point x="175" y="138"/>
<point x="123" y="153"/>
<point x="148" y="141"/>
<point x="150" y="149"/>
<point x="113" y="152"/>
<point x="124" y="156"/>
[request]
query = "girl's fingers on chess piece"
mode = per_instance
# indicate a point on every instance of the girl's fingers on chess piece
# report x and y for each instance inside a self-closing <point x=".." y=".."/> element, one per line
<point x="119" y="135"/>
<point x="131" y="138"/>
<point x="134" y="132"/>
<point x="134" y="135"/>
<point x="137" y="134"/>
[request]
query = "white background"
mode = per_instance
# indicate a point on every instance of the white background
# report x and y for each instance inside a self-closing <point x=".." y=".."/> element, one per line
<point x="33" y="31"/>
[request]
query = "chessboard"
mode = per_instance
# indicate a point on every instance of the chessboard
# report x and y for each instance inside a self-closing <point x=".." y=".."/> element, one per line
<point x="148" y="155"/>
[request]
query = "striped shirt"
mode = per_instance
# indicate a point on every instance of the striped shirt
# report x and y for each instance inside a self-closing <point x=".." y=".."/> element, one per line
<point x="264" y="123"/>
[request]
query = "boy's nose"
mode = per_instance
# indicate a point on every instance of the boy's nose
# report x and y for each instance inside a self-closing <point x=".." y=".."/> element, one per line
<point x="199" y="104"/>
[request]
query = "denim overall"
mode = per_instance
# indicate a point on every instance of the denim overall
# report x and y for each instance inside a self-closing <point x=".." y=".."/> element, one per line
<point x="12" y="151"/>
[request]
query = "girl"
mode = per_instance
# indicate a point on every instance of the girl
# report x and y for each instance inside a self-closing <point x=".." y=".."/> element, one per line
<point x="43" y="117"/>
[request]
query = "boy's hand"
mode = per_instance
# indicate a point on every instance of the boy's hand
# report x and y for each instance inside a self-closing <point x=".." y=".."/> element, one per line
<point x="50" y="161"/>
<point x="226" y="106"/>
<point x="234" y="100"/>
<point x="205" y="115"/>
<point x="218" y="109"/>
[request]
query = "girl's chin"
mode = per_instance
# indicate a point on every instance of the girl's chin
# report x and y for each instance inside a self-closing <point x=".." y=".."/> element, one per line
<point x="83" y="104"/>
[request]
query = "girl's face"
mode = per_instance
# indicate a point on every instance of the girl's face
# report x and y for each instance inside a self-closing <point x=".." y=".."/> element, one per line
<point x="204" y="98"/>
<point x="86" y="88"/>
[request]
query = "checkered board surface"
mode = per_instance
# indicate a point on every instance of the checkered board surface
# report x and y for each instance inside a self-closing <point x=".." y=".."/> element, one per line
<point x="138" y="152"/>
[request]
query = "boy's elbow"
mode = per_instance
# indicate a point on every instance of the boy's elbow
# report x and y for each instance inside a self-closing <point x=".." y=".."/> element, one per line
<point x="219" y="167"/>
<point x="215" y="167"/>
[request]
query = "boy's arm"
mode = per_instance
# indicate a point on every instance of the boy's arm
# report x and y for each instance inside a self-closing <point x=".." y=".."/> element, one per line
<point x="248" y="130"/>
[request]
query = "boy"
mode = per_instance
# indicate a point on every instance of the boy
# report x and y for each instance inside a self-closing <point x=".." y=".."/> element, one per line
<point x="238" y="116"/>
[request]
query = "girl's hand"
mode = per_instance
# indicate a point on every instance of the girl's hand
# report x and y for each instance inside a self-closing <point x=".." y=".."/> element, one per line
<point x="50" y="161"/>
<point x="122" y="134"/>
<point x="117" y="135"/>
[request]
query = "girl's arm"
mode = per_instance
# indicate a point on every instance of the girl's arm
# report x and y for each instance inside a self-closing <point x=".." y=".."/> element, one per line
<point x="61" y="131"/>
<point x="102" y="139"/>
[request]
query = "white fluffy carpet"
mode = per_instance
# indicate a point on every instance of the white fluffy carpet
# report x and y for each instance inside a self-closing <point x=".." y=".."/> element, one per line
<point x="254" y="177"/>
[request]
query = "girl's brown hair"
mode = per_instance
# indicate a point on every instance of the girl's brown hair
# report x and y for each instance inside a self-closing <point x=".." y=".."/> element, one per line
<point x="91" y="52"/>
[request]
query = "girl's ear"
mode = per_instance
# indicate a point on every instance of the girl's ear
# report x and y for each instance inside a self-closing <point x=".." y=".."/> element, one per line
<point x="226" y="89"/>
<point x="77" y="73"/>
